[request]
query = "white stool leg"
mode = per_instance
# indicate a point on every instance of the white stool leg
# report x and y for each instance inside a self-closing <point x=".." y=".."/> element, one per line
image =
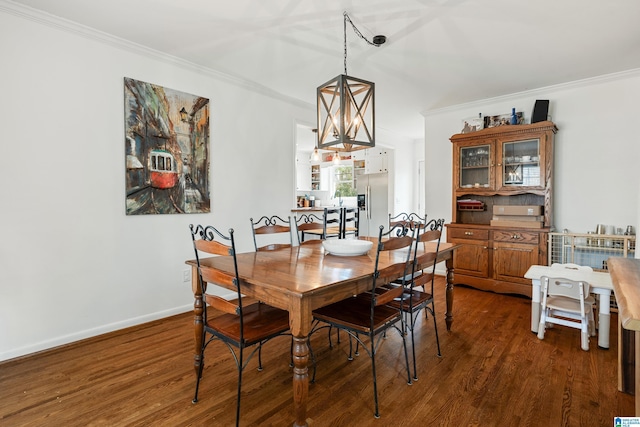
<point x="542" y="325"/>
<point x="584" y="333"/>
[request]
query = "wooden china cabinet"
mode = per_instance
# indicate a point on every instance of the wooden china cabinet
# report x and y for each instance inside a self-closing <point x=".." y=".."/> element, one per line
<point x="501" y="166"/>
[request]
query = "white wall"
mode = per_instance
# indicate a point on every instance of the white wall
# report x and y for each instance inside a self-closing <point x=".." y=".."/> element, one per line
<point x="72" y="264"/>
<point x="404" y="173"/>
<point x="596" y="149"/>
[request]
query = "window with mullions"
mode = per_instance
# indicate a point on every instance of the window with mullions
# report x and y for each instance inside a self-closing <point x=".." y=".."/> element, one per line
<point x="342" y="181"/>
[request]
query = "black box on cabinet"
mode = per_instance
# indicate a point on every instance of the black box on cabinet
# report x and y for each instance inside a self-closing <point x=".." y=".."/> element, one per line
<point x="540" y="111"/>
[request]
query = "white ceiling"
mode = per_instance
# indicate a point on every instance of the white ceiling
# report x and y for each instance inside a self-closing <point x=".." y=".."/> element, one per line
<point x="438" y="52"/>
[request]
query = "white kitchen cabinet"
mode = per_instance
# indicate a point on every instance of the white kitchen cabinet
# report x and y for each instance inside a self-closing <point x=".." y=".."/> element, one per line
<point x="376" y="161"/>
<point x="370" y="160"/>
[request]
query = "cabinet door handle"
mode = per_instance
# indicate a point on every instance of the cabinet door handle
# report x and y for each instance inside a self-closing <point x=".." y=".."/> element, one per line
<point x="516" y="236"/>
<point x="468" y="233"/>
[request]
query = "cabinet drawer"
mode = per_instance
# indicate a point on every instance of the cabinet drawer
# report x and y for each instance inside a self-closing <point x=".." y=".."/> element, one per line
<point x="516" y="237"/>
<point x="475" y="234"/>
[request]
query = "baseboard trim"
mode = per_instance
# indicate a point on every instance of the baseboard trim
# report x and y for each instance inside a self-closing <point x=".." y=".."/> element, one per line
<point x="89" y="333"/>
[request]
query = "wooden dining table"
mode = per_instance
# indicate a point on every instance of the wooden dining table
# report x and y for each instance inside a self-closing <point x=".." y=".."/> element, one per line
<point x="301" y="279"/>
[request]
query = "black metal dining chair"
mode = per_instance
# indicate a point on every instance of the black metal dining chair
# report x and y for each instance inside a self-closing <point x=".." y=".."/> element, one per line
<point x="350" y="222"/>
<point x="407" y="218"/>
<point x="414" y="300"/>
<point x="275" y="226"/>
<point x="370" y="316"/>
<point x="332" y="226"/>
<point x="309" y="223"/>
<point x="237" y="324"/>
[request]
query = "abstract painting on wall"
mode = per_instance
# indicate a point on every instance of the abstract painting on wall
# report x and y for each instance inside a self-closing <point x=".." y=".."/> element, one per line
<point x="166" y="150"/>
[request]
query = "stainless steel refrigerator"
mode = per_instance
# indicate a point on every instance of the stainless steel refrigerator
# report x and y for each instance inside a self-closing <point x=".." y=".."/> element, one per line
<point x="374" y="206"/>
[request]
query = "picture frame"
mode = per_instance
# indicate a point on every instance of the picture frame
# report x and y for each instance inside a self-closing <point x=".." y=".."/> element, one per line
<point x="472" y="124"/>
<point x="502" y="120"/>
<point x="167" y="150"/>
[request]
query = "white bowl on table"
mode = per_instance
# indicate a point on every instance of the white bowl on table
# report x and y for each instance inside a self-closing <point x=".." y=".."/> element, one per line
<point x="347" y="247"/>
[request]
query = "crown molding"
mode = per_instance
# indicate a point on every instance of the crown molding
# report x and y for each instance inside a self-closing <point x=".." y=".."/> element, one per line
<point x="633" y="73"/>
<point x="53" y="21"/>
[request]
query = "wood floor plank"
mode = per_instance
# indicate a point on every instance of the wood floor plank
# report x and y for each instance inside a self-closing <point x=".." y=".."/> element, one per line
<point x="493" y="371"/>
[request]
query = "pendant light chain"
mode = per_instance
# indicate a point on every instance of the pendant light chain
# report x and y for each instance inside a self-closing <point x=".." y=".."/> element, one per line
<point x="345" y="42"/>
<point x="358" y="33"/>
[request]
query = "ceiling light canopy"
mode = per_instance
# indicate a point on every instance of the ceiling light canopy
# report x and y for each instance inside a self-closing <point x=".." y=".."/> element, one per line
<point x="346" y="106"/>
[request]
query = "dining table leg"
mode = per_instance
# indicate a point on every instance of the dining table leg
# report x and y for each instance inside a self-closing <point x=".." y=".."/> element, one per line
<point x="449" y="293"/>
<point x="198" y="311"/>
<point x="300" y="323"/>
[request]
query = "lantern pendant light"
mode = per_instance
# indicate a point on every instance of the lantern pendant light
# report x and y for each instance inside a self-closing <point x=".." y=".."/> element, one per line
<point x="346" y="107"/>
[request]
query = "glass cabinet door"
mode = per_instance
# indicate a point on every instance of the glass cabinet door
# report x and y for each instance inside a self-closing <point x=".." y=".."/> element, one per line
<point x="521" y="163"/>
<point x="475" y="163"/>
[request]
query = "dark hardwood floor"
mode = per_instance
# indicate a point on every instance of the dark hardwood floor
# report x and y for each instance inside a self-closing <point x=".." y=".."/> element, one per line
<point x="493" y="372"/>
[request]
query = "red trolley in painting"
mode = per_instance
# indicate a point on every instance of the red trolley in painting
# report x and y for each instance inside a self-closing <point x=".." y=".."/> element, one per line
<point x="163" y="169"/>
